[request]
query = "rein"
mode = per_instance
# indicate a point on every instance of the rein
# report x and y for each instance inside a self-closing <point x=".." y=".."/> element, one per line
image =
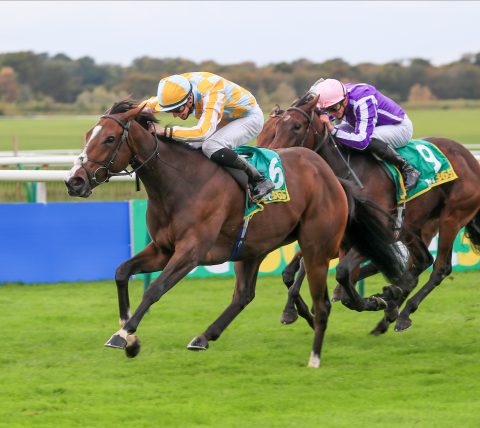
<point x="319" y="144"/>
<point x="106" y="165"/>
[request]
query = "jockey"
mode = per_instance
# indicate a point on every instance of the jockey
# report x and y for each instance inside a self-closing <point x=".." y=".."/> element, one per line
<point x="367" y="119"/>
<point x="229" y="116"/>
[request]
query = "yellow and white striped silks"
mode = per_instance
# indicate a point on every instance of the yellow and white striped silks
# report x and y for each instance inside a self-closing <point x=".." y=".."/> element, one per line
<point x="217" y="101"/>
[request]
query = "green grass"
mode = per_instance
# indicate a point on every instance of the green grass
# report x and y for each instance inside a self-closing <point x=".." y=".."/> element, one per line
<point x="53" y="132"/>
<point x="54" y="371"/>
<point x="68" y="132"/>
<point x="460" y="125"/>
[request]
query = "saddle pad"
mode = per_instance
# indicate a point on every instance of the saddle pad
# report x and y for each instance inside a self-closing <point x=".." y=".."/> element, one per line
<point x="430" y="161"/>
<point x="269" y="164"/>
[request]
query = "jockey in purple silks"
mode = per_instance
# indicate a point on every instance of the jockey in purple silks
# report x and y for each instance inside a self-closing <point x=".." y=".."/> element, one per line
<point x="366" y="119"/>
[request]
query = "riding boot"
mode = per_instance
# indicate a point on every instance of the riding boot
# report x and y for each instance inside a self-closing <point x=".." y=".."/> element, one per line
<point x="387" y="153"/>
<point x="259" y="185"/>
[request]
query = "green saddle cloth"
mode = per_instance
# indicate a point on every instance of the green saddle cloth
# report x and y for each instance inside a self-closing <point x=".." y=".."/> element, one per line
<point x="269" y="164"/>
<point x="436" y="169"/>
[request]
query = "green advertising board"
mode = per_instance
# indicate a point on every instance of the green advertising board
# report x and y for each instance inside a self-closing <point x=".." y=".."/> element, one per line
<point x="463" y="257"/>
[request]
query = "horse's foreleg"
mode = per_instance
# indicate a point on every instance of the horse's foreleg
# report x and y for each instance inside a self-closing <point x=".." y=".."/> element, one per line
<point x="181" y="262"/>
<point x="150" y="259"/>
<point x="397" y="293"/>
<point x="344" y="275"/>
<point x="245" y="280"/>
<point x="295" y="304"/>
<point x="288" y="274"/>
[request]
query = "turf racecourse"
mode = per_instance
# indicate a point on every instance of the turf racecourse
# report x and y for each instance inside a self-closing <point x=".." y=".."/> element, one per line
<point x="55" y="372"/>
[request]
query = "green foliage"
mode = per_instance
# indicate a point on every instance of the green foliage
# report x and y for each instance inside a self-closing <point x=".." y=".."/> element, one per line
<point x="63" y="79"/>
<point x="55" y="372"/>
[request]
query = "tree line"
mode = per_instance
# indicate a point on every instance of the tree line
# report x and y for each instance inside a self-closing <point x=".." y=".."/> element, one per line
<point x="38" y="82"/>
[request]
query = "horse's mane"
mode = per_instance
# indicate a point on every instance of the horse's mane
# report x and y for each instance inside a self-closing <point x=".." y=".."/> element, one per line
<point x="304" y="100"/>
<point x="128" y="104"/>
<point x="143" y="118"/>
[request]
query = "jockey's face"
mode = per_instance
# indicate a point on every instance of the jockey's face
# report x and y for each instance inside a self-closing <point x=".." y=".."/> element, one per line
<point x="184" y="111"/>
<point x="338" y="114"/>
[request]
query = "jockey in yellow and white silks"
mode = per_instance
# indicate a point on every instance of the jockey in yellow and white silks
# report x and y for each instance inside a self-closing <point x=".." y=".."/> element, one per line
<point x="228" y="116"/>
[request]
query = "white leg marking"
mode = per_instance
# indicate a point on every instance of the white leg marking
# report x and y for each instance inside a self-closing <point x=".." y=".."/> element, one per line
<point x="314" y="361"/>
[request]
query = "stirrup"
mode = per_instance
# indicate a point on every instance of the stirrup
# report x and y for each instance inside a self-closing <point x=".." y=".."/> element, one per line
<point x="411" y="179"/>
<point x="261" y="189"/>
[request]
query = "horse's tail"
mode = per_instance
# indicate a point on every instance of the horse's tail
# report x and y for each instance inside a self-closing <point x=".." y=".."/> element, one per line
<point x="369" y="230"/>
<point x="472" y="232"/>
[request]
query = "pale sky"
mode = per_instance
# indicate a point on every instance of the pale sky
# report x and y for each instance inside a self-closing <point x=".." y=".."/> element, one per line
<point x="234" y="31"/>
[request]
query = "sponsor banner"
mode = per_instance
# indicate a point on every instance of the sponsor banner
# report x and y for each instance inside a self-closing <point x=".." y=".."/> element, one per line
<point x="63" y="241"/>
<point x="463" y="257"/>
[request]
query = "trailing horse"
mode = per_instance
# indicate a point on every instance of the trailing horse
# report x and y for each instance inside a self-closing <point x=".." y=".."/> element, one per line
<point x="195" y="211"/>
<point x="444" y="209"/>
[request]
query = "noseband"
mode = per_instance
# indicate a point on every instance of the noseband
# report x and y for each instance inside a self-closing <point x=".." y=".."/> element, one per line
<point x="106" y="165"/>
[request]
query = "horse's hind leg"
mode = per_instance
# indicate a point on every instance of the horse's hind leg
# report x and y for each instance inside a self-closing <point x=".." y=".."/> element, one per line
<point x="246" y="272"/>
<point x="295" y="304"/>
<point x="317" y="280"/>
<point x="442" y="267"/>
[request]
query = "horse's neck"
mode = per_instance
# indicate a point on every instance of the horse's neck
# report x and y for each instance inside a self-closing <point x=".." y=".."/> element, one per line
<point x="333" y="156"/>
<point x="175" y="173"/>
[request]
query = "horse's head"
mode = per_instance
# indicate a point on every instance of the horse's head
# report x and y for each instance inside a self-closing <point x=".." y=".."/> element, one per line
<point x="297" y="126"/>
<point x="107" y="151"/>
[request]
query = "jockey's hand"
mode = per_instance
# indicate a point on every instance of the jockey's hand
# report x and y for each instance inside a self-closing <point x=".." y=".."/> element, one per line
<point x="156" y="129"/>
<point x="325" y="118"/>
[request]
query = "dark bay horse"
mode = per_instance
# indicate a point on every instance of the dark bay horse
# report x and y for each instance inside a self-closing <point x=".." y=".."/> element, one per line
<point x="444" y="209"/>
<point x="194" y="215"/>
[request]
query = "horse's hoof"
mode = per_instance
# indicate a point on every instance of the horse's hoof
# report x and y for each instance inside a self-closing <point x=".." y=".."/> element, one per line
<point x="337" y="293"/>
<point x="133" y="346"/>
<point x="393" y="292"/>
<point x="381" y="328"/>
<point x="403" y="323"/>
<point x="116" y="341"/>
<point x="198" y="344"/>
<point x="289" y="317"/>
<point x="314" y="361"/>
<point x="376" y="303"/>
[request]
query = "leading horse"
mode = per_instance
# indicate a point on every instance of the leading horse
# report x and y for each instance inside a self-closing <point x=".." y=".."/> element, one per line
<point x="444" y="209"/>
<point x="194" y="215"/>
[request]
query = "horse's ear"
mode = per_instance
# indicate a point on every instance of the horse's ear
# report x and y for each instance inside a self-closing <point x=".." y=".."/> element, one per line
<point x="312" y="103"/>
<point x="134" y="112"/>
<point x="275" y="111"/>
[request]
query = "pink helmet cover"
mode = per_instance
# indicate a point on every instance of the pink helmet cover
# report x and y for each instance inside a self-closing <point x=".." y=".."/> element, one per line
<point x="331" y="92"/>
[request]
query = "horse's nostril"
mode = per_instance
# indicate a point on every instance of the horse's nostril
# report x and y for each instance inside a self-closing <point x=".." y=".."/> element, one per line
<point x="76" y="182"/>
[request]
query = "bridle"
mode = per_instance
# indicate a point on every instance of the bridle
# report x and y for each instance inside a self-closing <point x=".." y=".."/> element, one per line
<point x="319" y="143"/>
<point x="316" y="134"/>
<point x="106" y="165"/>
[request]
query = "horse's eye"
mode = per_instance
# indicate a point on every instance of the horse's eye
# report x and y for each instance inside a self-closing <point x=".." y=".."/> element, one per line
<point x="109" y="140"/>
<point x="297" y="126"/>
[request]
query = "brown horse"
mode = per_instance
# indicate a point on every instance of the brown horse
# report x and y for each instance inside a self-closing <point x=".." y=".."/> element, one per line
<point x="444" y="209"/>
<point x="194" y="215"/>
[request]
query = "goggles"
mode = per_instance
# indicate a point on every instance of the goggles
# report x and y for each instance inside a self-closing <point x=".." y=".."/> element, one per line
<point x="178" y="109"/>
<point x="335" y="107"/>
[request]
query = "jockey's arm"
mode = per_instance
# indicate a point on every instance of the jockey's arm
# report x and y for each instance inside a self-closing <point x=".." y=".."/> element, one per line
<point x="213" y="108"/>
<point x="365" y="121"/>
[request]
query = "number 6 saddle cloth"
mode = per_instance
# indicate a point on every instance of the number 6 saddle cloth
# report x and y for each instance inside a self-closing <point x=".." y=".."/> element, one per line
<point x="436" y="169"/>
<point x="269" y="164"/>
